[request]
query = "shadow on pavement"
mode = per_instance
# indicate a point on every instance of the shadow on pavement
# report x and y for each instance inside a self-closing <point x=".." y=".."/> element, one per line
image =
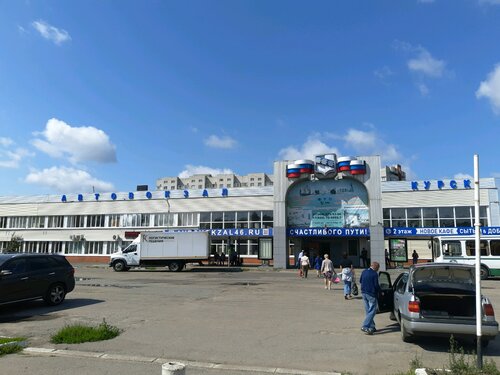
<point x="39" y="311"/>
<point x="442" y="345"/>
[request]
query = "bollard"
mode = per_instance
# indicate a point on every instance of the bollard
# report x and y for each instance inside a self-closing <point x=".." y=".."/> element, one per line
<point x="173" y="368"/>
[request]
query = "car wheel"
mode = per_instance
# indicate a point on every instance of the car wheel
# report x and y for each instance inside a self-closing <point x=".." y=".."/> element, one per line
<point x="405" y="336"/>
<point x="55" y="295"/>
<point x="175" y="266"/>
<point x="484" y="272"/>
<point x="119" y="266"/>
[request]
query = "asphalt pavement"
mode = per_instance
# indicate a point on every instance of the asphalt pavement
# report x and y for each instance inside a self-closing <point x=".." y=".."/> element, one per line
<point x="239" y="321"/>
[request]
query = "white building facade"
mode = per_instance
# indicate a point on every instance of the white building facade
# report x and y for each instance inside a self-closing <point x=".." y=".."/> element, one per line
<point x="342" y="212"/>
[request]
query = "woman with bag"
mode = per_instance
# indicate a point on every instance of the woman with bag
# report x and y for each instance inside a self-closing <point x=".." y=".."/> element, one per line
<point x="347" y="275"/>
<point x="327" y="271"/>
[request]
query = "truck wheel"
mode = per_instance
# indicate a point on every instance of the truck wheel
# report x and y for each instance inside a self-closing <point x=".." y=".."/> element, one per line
<point x="175" y="266"/>
<point x="119" y="266"/>
<point x="485" y="273"/>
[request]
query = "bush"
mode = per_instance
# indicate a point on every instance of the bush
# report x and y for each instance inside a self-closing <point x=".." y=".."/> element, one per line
<point x="78" y="333"/>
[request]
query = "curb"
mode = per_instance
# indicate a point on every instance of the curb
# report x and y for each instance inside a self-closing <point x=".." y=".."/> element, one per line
<point x="207" y="365"/>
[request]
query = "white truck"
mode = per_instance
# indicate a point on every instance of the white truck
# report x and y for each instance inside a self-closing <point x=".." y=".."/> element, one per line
<point x="156" y="249"/>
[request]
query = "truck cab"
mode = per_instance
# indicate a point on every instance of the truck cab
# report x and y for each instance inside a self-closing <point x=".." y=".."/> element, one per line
<point x="128" y="257"/>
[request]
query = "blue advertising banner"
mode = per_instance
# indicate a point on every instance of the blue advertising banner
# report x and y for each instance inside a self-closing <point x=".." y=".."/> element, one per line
<point x="457" y="231"/>
<point x="328" y="232"/>
<point x="245" y="232"/>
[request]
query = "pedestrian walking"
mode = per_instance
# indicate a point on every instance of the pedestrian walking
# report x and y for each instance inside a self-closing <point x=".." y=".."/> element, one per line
<point x="317" y="265"/>
<point x="305" y="264"/>
<point x="347" y="272"/>
<point x="297" y="262"/>
<point x="415" y="257"/>
<point x="369" y="291"/>
<point x="327" y="271"/>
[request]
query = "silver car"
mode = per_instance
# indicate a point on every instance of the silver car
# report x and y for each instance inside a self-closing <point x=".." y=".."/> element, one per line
<point x="436" y="299"/>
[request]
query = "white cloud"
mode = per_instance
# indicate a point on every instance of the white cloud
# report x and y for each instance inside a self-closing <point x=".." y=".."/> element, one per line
<point x="490" y="89"/>
<point x="426" y="64"/>
<point x="422" y="87"/>
<point x="52" y="33"/>
<point x="383" y="73"/>
<point x="371" y="143"/>
<point x="6" y="142"/>
<point x="313" y="146"/>
<point x="63" y="179"/>
<point x="220" y="142"/>
<point x="463" y="176"/>
<point x="79" y="144"/>
<point x="12" y="159"/>
<point x="200" y="169"/>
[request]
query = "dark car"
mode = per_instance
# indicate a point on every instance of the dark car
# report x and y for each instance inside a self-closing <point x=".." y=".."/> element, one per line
<point x="32" y="276"/>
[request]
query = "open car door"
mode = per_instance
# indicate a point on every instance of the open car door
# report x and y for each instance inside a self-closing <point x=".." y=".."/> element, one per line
<point x="386" y="295"/>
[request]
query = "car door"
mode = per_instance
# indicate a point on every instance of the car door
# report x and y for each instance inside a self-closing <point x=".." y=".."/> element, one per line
<point x="41" y="275"/>
<point x="131" y="255"/>
<point x="386" y="295"/>
<point x="14" y="280"/>
<point x="400" y="297"/>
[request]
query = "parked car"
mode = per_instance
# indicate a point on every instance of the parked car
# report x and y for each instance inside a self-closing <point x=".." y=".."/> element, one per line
<point x="32" y="276"/>
<point x="436" y="299"/>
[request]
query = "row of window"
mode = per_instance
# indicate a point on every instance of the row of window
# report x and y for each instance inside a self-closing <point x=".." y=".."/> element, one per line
<point x="454" y="248"/>
<point x="205" y="220"/>
<point x="430" y="217"/>
<point x="242" y="246"/>
<point x="236" y="219"/>
<point x="69" y="247"/>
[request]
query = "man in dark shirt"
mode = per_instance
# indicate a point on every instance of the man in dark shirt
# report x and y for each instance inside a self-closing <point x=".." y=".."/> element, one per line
<point x="364" y="258"/>
<point x="370" y="290"/>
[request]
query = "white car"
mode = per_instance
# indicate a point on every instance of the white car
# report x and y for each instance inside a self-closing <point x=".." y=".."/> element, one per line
<point x="436" y="299"/>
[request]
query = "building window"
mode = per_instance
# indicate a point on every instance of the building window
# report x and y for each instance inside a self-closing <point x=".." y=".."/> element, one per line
<point x="55" y="222"/>
<point x="18" y="222"/>
<point x="76" y="221"/>
<point x="95" y="221"/>
<point x="57" y="247"/>
<point x="163" y="220"/>
<point x="74" y="247"/>
<point x="36" y="222"/>
<point x="93" y="247"/>
<point x="114" y="221"/>
<point x="3" y="222"/>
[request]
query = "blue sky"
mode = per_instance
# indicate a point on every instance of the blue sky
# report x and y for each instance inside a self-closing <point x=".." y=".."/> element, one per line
<point x="119" y="93"/>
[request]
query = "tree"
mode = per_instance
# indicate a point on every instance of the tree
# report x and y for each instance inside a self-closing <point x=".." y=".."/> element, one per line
<point x="15" y="243"/>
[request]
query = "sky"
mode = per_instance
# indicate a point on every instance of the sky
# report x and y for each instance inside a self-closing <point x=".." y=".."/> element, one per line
<point x="108" y="95"/>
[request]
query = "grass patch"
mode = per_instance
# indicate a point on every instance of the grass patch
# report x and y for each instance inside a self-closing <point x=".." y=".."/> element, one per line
<point x="10" y="348"/>
<point x="78" y="333"/>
